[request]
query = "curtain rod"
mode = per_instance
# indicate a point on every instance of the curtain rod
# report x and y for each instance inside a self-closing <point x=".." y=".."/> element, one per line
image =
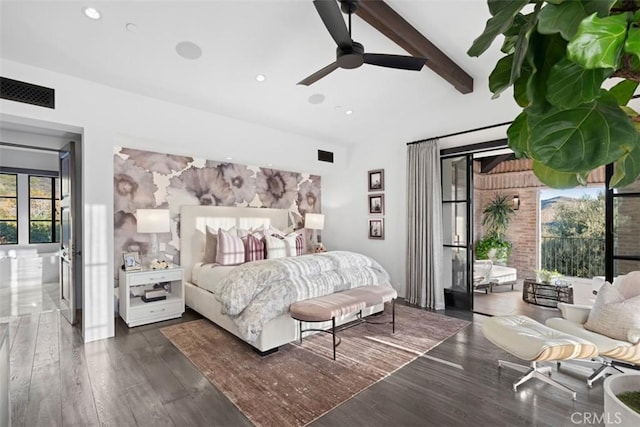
<point x="460" y="133"/>
<point x="636" y="96"/>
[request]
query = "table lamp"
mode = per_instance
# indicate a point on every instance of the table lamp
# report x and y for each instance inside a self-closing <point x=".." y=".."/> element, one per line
<point x="315" y="222"/>
<point x="153" y="221"/>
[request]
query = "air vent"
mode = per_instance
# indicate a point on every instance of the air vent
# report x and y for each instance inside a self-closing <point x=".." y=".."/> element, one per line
<point x="325" y="156"/>
<point x="28" y="93"/>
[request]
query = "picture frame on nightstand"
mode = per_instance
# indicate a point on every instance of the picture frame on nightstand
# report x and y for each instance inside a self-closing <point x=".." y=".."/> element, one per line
<point x="131" y="261"/>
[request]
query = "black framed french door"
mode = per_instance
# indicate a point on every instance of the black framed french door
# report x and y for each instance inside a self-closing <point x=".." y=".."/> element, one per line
<point x="622" y="254"/>
<point x="457" y="219"/>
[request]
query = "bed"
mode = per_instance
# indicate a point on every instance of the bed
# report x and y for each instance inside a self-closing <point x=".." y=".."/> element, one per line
<point x="487" y="275"/>
<point x="207" y="286"/>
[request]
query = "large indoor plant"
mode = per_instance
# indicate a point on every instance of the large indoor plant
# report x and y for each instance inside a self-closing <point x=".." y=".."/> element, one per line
<point x="559" y="55"/>
<point x="496" y="217"/>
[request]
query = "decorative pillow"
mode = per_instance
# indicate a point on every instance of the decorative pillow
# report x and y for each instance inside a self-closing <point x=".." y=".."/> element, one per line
<point x="253" y="247"/>
<point x="210" y="246"/>
<point x="294" y="243"/>
<point x="629" y="284"/>
<point x="614" y="316"/>
<point x="276" y="247"/>
<point x="230" y="249"/>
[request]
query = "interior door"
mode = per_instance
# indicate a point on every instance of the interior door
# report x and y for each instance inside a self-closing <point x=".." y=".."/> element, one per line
<point x="457" y="230"/>
<point x="68" y="249"/>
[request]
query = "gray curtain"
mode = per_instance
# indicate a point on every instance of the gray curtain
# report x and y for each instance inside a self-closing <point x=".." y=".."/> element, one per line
<point x="424" y="243"/>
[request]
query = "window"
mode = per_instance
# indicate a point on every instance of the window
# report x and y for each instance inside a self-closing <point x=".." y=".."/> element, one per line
<point x="44" y="209"/>
<point x="8" y="209"/>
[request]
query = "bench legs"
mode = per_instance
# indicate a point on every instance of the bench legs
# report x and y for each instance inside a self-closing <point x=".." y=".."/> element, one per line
<point x="336" y="339"/>
<point x="543" y="373"/>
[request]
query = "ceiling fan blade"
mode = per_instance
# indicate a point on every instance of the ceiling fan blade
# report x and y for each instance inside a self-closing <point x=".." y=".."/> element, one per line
<point x="318" y="74"/>
<point x="332" y="17"/>
<point x="395" y="61"/>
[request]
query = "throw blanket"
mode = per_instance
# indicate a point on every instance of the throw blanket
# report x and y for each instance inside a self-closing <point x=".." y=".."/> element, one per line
<point x="257" y="292"/>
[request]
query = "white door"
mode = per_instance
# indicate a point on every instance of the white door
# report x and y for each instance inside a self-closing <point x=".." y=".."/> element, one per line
<point x="68" y="249"/>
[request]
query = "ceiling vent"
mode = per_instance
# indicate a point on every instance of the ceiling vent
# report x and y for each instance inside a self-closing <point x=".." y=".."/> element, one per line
<point x="325" y="156"/>
<point x="27" y="93"/>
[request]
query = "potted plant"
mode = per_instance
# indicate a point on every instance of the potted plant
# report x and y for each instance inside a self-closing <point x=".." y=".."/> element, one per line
<point x="616" y="411"/>
<point x="546" y="276"/>
<point x="558" y="57"/>
<point x="496" y="217"/>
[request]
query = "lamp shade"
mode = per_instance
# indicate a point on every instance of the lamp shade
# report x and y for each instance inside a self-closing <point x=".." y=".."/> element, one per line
<point x="314" y="221"/>
<point x="153" y="220"/>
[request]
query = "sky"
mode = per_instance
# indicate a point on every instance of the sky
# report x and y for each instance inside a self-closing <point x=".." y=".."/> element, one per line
<point x="575" y="193"/>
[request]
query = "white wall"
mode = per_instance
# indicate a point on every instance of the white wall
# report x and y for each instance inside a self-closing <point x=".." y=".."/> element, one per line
<point x="108" y="117"/>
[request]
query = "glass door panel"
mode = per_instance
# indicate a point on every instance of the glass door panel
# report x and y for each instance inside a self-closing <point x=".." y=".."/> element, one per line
<point x="624" y="223"/>
<point x="456" y="190"/>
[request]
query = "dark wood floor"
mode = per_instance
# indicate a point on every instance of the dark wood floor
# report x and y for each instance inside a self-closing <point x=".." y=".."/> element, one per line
<point x="139" y="379"/>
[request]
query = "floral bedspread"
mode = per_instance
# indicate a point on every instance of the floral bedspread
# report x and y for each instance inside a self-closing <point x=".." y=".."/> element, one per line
<point x="256" y="292"/>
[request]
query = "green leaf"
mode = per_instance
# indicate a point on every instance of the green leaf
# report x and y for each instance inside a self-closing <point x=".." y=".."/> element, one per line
<point x="522" y="44"/>
<point x="512" y="33"/>
<point x="505" y="11"/>
<point x="562" y="18"/>
<point x="545" y="52"/>
<point x="632" y="44"/>
<point x="627" y="169"/>
<point x="570" y="85"/>
<point x="499" y="77"/>
<point x="623" y="91"/>
<point x="521" y="86"/>
<point x="554" y="178"/>
<point x="518" y="134"/>
<point x="601" y="7"/>
<point x="582" y="138"/>
<point x="598" y="42"/>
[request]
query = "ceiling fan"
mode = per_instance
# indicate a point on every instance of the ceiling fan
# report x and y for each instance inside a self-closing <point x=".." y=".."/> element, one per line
<point x="350" y="54"/>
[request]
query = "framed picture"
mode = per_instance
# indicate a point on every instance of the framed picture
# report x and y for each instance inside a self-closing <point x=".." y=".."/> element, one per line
<point x="131" y="261"/>
<point x="376" y="204"/>
<point x="376" y="228"/>
<point x="376" y="180"/>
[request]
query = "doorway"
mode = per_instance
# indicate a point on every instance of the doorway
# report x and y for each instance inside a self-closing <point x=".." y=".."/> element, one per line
<point x="31" y="220"/>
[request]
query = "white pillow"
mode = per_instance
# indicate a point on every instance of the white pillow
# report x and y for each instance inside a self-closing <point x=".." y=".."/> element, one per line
<point x="230" y="250"/>
<point x="613" y="315"/>
<point x="276" y="247"/>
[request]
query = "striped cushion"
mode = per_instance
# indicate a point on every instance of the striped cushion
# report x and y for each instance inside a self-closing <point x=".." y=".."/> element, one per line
<point x="253" y="247"/>
<point x="291" y="242"/>
<point x="300" y="244"/>
<point x="276" y="248"/>
<point x="230" y="249"/>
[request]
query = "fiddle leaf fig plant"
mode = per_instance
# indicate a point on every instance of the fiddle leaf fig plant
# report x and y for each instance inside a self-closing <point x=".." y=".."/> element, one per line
<point x="559" y="57"/>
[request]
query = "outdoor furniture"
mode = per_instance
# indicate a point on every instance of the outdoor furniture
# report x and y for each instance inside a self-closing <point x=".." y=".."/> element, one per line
<point x="546" y="294"/>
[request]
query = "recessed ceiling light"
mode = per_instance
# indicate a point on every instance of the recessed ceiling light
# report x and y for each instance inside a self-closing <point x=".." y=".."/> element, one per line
<point x="188" y="50"/>
<point x="316" y="98"/>
<point x="261" y="77"/>
<point x="348" y="112"/>
<point x="91" y="13"/>
<point x="229" y="158"/>
<point x="131" y="27"/>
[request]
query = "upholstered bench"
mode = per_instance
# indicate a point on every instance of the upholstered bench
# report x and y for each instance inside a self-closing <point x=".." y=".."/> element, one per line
<point x="340" y="304"/>
<point x="529" y="340"/>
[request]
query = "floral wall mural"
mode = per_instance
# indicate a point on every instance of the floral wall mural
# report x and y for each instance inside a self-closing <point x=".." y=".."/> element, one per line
<point x="144" y="179"/>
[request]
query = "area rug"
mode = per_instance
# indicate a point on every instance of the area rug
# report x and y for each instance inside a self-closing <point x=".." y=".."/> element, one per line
<point x="300" y="383"/>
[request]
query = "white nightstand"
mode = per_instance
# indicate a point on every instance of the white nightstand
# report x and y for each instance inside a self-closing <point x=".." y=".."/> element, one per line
<point x="133" y="284"/>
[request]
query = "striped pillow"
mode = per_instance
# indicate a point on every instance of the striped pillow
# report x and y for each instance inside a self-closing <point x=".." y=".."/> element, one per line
<point x="230" y="249"/>
<point x="276" y="248"/>
<point x="253" y="247"/>
<point x="294" y="243"/>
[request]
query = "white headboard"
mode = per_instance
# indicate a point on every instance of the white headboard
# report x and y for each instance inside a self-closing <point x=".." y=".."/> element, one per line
<point x="194" y="220"/>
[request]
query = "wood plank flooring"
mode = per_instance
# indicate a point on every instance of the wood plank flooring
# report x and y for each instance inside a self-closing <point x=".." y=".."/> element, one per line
<point x="139" y="379"/>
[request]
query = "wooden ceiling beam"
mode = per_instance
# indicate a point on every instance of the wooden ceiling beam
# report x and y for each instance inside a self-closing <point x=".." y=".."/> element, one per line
<point x="386" y="20"/>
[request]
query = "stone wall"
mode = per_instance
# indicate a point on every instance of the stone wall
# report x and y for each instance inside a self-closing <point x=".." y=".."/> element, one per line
<point x="515" y="177"/>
